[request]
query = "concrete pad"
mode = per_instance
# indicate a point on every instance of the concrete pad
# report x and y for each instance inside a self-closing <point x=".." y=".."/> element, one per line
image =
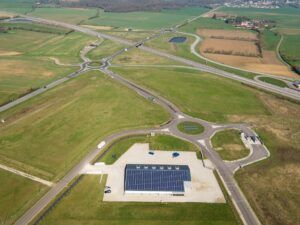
<point x="202" y="188"/>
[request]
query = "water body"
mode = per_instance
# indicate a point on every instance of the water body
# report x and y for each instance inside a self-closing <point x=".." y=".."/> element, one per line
<point x="177" y="39"/>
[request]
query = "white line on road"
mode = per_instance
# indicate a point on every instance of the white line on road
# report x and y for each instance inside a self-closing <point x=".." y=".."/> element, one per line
<point x="31" y="177"/>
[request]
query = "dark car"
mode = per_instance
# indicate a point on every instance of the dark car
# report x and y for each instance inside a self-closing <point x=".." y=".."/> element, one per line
<point x="107" y="191"/>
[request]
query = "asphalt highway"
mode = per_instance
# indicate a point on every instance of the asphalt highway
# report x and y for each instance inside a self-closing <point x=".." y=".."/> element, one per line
<point x="275" y="89"/>
<point x="225" y="170"/>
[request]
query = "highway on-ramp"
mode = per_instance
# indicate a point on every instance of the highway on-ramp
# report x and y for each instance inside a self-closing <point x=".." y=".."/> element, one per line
<point x="224" y="170"/>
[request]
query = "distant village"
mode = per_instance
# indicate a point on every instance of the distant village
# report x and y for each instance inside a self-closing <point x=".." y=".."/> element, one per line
<point x="263" y="4"/>
<point x="244" y="22"/>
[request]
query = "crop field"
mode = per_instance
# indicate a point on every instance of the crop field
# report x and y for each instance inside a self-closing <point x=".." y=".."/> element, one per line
<point x="237" y="51"/>
<point x="284" y="17"/>
<point x="268" y="64"/>
<point x="269" y="40"/>
<point x="84" y="205"/>
<point x="206" y="23"/>
<point x="194" y="92"/>
<point x="17" y="194"/>
<point x="229" y="47"/>
<point x="76" y="122"/>
<point x="145" y="20"/>
<point x="69" y="15"/>
<point x="229" y="145"/>
<point x="290" y="49"/>
<point x="228" y="34"/>
<point x="158" y="142"/>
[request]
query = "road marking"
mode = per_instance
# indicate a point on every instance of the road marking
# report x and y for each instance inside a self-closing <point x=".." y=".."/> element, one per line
<point x="31" y="177"/>
<point x="165" y="130"/>
<point x="180" y="116"/>
<point x="201" y="141"/>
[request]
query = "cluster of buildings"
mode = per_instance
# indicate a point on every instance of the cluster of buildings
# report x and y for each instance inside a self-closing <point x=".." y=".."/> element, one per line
<point x="260" y="4"/>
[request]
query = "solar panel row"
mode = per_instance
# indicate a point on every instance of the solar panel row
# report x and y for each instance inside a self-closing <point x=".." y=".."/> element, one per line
<point x="168" y="178"/>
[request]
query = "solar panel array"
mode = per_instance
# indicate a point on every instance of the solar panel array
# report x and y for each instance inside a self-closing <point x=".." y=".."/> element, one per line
<point x="162" y="178"/>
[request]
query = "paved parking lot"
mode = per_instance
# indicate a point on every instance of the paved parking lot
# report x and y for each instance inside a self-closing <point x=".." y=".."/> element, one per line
<point x="202" y="188"/>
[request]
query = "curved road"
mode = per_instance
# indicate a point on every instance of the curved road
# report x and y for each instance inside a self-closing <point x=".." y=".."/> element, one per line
<point x="203" y="141"/>
<point x="225" y="169"/>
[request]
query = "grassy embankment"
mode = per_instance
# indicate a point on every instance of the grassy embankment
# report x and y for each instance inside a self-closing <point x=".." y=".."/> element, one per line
<point x="273" y="81"/>
<point x="275" y="196"/>
<point x="229" y="145"/>
<point x="90" y="209"/>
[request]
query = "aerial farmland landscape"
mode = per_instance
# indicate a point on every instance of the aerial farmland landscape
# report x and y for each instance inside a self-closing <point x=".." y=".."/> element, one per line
<point x="153" y="112"/>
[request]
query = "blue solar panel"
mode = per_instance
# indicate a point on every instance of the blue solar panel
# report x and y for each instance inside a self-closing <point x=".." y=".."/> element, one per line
<point x="156" y="177"/>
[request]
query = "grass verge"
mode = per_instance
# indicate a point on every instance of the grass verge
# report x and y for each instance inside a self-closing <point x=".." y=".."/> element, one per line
<point x="158" y="142"/>
<point x="190" y="128"/>
<point x="229" y="145"/>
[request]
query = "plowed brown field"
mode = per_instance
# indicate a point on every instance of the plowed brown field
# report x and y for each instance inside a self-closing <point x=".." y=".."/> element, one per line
<point x="229" y="47"/>
<point x="228" y="34"/>
<point x="268" y="64"/>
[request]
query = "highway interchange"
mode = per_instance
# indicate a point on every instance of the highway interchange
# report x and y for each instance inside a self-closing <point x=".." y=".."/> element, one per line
<point x="225" y="169"/>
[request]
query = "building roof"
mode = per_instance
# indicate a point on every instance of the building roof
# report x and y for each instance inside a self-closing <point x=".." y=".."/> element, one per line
<point x="156" y="177"/>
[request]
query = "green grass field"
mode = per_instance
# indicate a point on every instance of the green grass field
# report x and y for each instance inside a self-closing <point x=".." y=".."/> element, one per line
<point x="190" y="128"/>
<point x="84" y="205"/>
<point x="69" y="15"/>
<point x="198" y="94"/>
<point x="137" y="57"/>
<point x="130" y="35"/>
<point x="180" y="49"/>
<point x="51" y="133"/>
<point x="16" y="195"/>
<point x="284" y="17"/>
<point x="290" y="49"/>
<point x="39" y="44"/>
<point x="206" y="23"/>
<point x="158" y="142"/>
<point x="229" y="145"/>
<point x="146" y="20"/>
<point x="106" y="48"/>
<point x="43" y="28"/>
<point x="19" y="74"/>
<point x="269" y="40"/>
<point x="273" y="81"/>
<point x="16" y="6"/>
<point x="25" y="58"/>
